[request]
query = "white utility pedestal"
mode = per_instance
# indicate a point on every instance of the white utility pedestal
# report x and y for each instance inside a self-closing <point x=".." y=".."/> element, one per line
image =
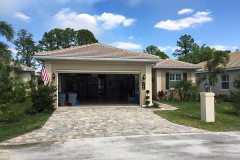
<point x="207" y="107"/>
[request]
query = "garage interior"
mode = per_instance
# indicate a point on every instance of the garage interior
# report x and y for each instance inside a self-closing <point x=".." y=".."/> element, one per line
<point x="97" y="89"/>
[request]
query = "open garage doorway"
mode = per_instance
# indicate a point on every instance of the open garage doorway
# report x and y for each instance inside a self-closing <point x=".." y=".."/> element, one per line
<point x="97" y="89"/>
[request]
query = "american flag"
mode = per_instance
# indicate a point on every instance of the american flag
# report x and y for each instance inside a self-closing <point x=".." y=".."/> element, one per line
<point x="44" y="76"/>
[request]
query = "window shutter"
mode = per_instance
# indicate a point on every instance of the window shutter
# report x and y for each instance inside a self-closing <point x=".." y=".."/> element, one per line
<point x="185" y="76"/>
<point x="167" y="80"/>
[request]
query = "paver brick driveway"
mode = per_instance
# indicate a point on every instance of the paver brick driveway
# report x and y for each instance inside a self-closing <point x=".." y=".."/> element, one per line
<point x="100" y="121"/>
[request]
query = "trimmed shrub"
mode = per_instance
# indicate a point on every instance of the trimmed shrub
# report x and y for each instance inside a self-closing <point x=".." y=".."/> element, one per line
<point x="147" y="97"/>
<point x="155" y="104"/>
<point x="43" y="98"/>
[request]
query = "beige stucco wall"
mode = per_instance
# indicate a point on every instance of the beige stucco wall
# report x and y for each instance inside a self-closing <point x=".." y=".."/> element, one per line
<point x="159" y="78"/>
<point x="26" y="76"/>
<point x="78" y="66"/>
<point x="217" y="89"/>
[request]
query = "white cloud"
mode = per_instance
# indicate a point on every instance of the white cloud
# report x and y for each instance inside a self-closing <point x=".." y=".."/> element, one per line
<point x="223" y="47"/>
<point x="128" y="22"/>
<point x="127" y="45"/>
<point x="110" y="20"/>
<point x="22" y="16"/>
<point x="197" y="18"/>
<point x="65" y="18"/>
<point x="185" y="11"/>
<point x="95" y="23"/>
<point x="130" y="37"/>
<point x="166" y="48"/>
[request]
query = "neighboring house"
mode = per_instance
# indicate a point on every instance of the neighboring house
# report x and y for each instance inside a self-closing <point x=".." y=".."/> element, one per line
<point x="167" y="72"/>
<point x="225" y="81"/>
<point x="26" y="73"/>
<point x="100" y="74"/>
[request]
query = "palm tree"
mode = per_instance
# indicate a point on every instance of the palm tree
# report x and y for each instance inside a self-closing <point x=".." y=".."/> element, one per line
<point x="6" y="30"/>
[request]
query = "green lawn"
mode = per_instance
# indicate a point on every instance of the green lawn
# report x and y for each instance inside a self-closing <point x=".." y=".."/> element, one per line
<point x="22" y="123"/>
<point x="188" y="114"/>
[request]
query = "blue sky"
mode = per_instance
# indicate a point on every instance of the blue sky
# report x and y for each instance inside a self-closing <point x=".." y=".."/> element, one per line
<point x="132" y="24"/>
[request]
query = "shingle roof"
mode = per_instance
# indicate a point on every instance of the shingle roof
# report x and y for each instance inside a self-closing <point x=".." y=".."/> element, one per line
<point x="234" y="61"/>
<point x="171" y="63"/>
<point x="23" y="67"/>
<point x="97" y="50"/>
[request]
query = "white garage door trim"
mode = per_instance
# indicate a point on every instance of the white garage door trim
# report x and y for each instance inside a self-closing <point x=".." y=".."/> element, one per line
<point x="98" y="72"/>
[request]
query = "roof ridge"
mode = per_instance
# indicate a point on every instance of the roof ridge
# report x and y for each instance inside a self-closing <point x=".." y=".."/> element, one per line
<point x="234" y="61"/>
<point x="22" y="66"/>
<point x="69" y="48"/>
<point x="98" y="50"/>
<point x="139" y="53"/>
<point x="168" y="59"/>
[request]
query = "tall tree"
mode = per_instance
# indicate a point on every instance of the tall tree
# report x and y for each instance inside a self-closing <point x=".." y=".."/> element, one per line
<point x="186" y="42"/>
<point x="197" y="54"/>
<point x="59" y="38"/>
<point x="52" y="40"/>
<point x="85" y="37"/>
<point x="25" y="47"/>
<point x="155" y="51"/>
<point x="6" y="30"/>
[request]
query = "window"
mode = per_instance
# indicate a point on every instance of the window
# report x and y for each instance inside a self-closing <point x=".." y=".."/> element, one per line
<point x="178" y="77"/>
<point x="174" y="78"/>
<point x="225" y="81"/>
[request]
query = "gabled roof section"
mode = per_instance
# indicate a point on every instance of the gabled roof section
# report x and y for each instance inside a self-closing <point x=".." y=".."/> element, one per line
<point x="171" y="63"/>
<point x="24" y="68"/>
<point x="95" y="51"/>
<point x="233" y="64"/>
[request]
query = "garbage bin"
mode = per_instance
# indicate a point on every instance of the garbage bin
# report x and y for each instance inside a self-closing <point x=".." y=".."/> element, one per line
<point x="61" y="99"/>
<point x="72" y="97"/>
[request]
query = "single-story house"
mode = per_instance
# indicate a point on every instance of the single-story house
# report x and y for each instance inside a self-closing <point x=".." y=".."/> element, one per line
<point x="26" y="73"/>
<point x="98" y="73"/>
<point x="225" y="81"/>
<point x="167" y="72"/>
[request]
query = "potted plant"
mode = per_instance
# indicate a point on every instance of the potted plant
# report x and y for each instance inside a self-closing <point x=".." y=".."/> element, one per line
<point x="147" y="103"/>
<point x="147" y="97"/>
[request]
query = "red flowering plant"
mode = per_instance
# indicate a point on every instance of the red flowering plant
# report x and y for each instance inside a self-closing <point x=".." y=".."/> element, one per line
<point x="160" y="94"/>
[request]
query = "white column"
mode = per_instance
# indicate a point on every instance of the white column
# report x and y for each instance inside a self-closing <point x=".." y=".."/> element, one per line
<point x="207" y="107"/>
<point x="159" y="83"/>
<point x="193" y="76"/>
<point x="148" y="81"/>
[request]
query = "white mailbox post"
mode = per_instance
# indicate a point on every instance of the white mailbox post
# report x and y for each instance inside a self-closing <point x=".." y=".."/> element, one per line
<point x="207" y="107"/>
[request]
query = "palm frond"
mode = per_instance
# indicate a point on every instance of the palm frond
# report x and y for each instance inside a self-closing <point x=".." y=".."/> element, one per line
<point x="6" y="30"/>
